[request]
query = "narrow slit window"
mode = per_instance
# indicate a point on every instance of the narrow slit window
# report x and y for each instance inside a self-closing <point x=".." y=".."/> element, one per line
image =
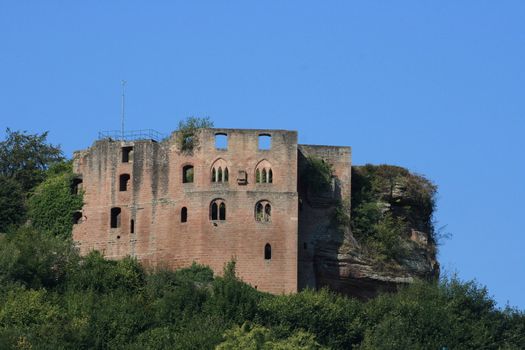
<point x="221" y="141"/>
<point x="124" y="182"/>
<point x="263" y="177"/>
<point x="270" y="176"/>
<point x="225" y="175"/>
<point x="265" y="142"/>
<point x="214" y="175"/>
<point x="267" y="252"/>
<point x="115" y="217"/>
<point x="219" y="175"/>
<point x="184" y="214"/>
<point x="257" y="176"/>
<point x="187" y="174"/>
<point x="132" y="226"/>
<point x="127" y="154"/>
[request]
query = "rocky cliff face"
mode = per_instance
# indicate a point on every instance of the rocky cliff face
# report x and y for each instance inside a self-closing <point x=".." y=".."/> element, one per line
<point x="389" y="239"/>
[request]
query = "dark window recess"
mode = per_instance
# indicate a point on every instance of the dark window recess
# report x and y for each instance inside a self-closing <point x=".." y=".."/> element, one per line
<point x="218" y="210"/>
<point x="221" y="141"/>
<point x="187" y="174"/>
<point x="267" y="252"/>
<point x="127" y="154"/>
<point x="184" y="214"/>
<point x="222" y="211"/>
<point x="123" y="182"/>
<point x="132" y="226"/>
<point x="115" y="217"/>
<point x="214" y="211"/>
<point x="76" y="186"/>
<point x="265" y="142"/>
<point x="77" y="217"/>
<point x="305" y="245"/>
<point x="263" y="211"/>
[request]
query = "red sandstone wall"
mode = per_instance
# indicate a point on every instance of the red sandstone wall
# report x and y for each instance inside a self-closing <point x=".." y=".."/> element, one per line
<point x="156" y="195"/>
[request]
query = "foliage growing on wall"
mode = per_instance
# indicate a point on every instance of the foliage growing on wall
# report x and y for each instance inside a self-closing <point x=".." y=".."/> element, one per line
<point x="317" y="175"/>
<point x="386" y="202"/>
<point x="53" y="203"/>
<point x="187" y="129"/>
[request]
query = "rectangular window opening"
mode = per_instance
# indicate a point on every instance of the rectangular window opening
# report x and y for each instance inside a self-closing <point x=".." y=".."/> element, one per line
<point x="265" y="142"/>
<point x="127" y="154"/>
<point x="221" y="141"/>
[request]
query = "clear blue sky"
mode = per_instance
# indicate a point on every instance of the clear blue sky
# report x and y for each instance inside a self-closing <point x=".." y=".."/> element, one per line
<point x="438" y="87"/>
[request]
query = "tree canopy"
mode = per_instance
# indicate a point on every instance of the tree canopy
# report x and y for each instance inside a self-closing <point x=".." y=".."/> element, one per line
<point x="26" y="157"/>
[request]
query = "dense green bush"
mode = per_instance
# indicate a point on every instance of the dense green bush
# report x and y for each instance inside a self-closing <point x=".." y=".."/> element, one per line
<point x="52" y="204"/>
<point x="51" y="298"/>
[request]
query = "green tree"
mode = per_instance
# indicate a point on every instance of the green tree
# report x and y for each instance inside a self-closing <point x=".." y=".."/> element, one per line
<point x="12" y="203"/>
<point x="26" y="157"/>
<point x="255" y="337"/>
<point x="187" y="132"/>
<point x="34" y="259"/>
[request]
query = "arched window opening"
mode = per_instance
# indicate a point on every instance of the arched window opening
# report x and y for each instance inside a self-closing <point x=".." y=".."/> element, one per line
<point x="123" y="182"/>
<point x="127" y="154"/>
<point x="219" y="172"/>
<point x="222" y="211"/>
<point x="214" y="211"/>
<point x="76" y="185"/>
<point x="265" y="142"/>
<point x="221" y="141"/>
<point x="77" y="217"/>
<point x="263" y="172"/>
<point x="184" y="214"/>
<point x="132" y="226"/>
<point x="259" y="214"/>
<point x="217" y="209"/>
<point x="267" y="252"/>
<point x="267" y="212"/>
<point x="263" y="211"/>
<point x="187" y="174"/>
<point x="115" y="217"/>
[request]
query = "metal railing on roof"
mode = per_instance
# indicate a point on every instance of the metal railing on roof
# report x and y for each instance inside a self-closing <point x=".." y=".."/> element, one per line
<point x="132" y="135"/>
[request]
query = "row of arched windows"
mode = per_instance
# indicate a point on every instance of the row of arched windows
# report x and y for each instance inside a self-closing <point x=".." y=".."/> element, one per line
<point x="220" y="172"/>
<point x="263" y="211"/>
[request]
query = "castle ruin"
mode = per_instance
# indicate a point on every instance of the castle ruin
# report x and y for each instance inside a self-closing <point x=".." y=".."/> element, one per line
<point x="236" y="194"/>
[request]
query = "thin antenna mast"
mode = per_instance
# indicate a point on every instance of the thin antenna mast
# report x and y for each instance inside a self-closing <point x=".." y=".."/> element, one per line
<point x="123" y="83"/>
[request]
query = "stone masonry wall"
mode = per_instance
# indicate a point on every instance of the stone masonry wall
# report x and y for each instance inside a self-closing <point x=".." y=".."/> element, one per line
<point x="156" y="195"/>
